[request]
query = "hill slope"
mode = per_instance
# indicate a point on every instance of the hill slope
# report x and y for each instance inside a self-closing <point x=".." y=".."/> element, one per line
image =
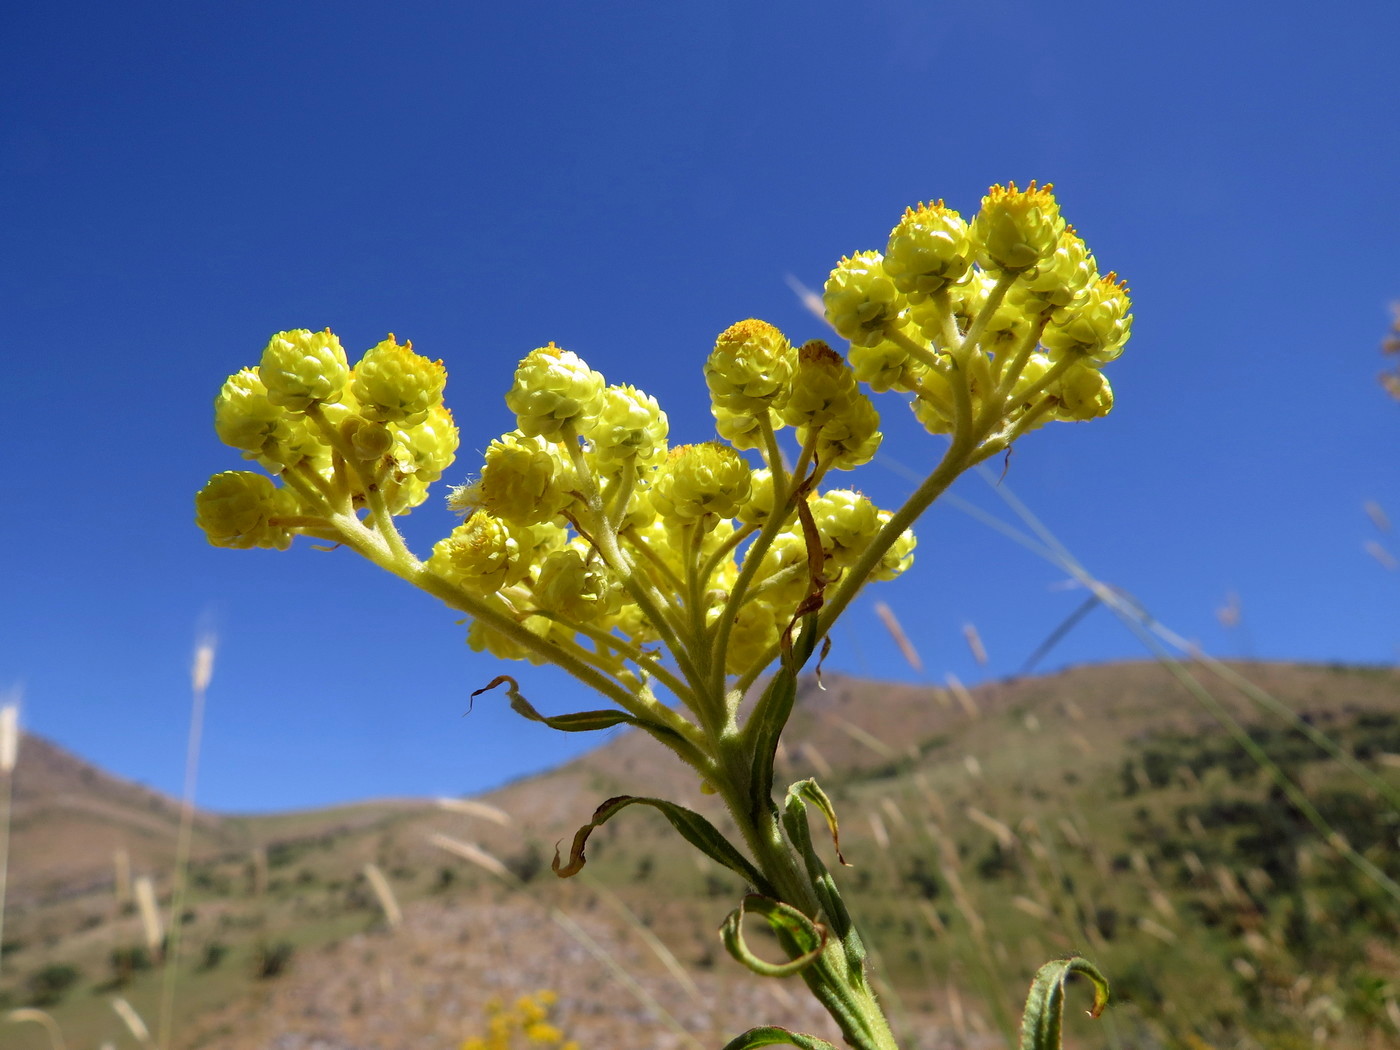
<point x="1096" y="809"/>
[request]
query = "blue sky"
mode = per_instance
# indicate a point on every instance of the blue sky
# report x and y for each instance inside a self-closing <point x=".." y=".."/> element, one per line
<point x="180" y="181"/>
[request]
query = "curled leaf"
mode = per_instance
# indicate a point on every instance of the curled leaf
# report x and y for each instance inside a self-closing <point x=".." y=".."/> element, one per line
<point x="1043" y="1022"/>
<point x="579" y="721"/>
<point x="694" y="828"/>
<point x="810" y="790"/>
<point x="807" y="936"/>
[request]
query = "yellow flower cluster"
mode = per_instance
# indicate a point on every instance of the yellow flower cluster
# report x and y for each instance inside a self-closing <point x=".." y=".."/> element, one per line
<point x="589" y="461"/>
<point x="519" y="1025"/>
<point x="995" y="326"/>
<point x="586" y="539"/>
<point x="342" y="439"/>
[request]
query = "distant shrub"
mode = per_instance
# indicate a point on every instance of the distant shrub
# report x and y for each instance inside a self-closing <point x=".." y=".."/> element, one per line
<point x="50" y="984"/>
<point x="125" y="960"/>
<point x="213" y="954"/>
<point x="270" y="960"/>
<point x="525" y="864"/>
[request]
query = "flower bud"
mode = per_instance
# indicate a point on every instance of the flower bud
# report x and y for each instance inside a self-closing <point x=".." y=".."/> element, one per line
<point x="524" y="480"/>
<point x="630" y="428"/>
<point x="881" y="366"/>
<point x="571" y="587"/>
<point x="849" y="440"/>
<point x="749" y="367"/>
<point x="300" y="368"/>
<point x="900" y="555"/>
<point x="1058" y="280"/>
<point x="701" y="480"/>
<point x="1016" y="229"/>
<point x="1095" y="326"/>
<point x="430" y="445"/>
<point x="822" y="388"/>
<point x="553" y="389"/>
<point x="236" y="507"/>
<point x="862" y="303"/>
<point x="483" y="554"/>
<point x="395" y="385"/>
<point x="759" y="507"/>
<point x="243" y="416"/>
<point x="928" y="250"/>
<point x="847" y="522"/>
<point x="1084" y="394"/>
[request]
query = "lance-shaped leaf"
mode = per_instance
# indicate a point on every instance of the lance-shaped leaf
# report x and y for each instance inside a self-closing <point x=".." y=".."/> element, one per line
<point x="812" y="792"/>
<point x="1042" y="1024"/>
<point x="770" y="1035"/>
<point x="795" y="823"/>
<point x="791" y="926"/>
<point x="586" y="721"/>
<point x="694" y="828"/>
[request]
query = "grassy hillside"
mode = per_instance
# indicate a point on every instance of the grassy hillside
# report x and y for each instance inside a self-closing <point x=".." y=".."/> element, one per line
<point x="1098" y="810"/>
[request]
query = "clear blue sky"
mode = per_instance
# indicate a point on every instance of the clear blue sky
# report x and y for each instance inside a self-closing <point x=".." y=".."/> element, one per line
<point x="181" y="180"/>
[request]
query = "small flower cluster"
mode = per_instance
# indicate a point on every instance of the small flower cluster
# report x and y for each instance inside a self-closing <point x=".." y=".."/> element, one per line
<point x="995" y="326"/>
<point x="342" y="439"/>
<point x="524" y="1023"/>
<point x="587" y="483"/>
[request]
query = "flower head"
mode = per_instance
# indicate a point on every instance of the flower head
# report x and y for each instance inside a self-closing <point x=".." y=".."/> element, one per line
<point x="300" y="368"/>
<point x="1016" y="229"/>
<point x="394" y="385"/>
<point x="554" y="389"/>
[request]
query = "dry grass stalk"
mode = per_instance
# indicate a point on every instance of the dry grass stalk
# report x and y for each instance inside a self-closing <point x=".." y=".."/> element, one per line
<point x="388" y="903"/>
<point x="1006" y="838"/>
<point x="1034" y="909"/>
<point x="1386" y="559"/>
<point x="974" y="644"/>
<point x="43" y="1020"/>
<point x="931" y="916"/>
<point x="895" y="814"/>
<point x="472" y="808"/>
<point x="1072" y="834"/>
<point x="9" y="758"/>
<point x="9" y="736"/>
<point x="667" y="958"/>
<point x="132" y="1020"/>
<point x="860" y="736"/>
<point x="1162" y="903"/>
<point x="151" y="925"/>
<point x="817" y="759"/>
<point x="473" y="854"/>
<point x="1378" y="516"/>
<point x="1155" y="929"/>
<point x="121" y="877"/>
<point x="879" y="831"/>
<point x="201" y="673"/>
<point x="964" y="698"/>
<point x="892" y="624"/>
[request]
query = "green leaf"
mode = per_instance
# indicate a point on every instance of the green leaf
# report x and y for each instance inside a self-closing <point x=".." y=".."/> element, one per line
<point x="833" y="906"/>
<point x="584" y="721"/>
<point x="1043" y="1022"/>
<point x="772" y="1036"/>
<point x="808" y="937"/>
<point x="810" y="790"/>
<point x="694" y="828"/>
